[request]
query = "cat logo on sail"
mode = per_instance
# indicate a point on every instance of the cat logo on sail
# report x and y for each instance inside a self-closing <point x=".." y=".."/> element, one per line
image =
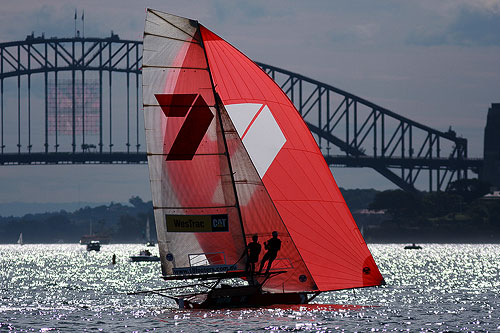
<point x="197" y="223"/>
<point x="194" y="127"/>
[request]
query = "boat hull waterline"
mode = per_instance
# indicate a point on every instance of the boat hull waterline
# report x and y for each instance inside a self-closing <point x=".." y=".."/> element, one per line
<point x="144" y="258"/>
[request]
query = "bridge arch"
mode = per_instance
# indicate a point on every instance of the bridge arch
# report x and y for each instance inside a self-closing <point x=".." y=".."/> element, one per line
<point x="69" y="66"/>
<point x="351" y="131"/>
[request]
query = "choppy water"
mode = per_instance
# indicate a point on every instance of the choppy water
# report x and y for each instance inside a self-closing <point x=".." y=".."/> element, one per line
<point x="64" y="288"/>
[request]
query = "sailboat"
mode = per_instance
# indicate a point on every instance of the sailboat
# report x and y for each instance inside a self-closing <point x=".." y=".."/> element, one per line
<point x="87" y="239"/>
<point x="149" y="242"/>
<point x="231" y="158"/>
<point x="146" y="255"/>
<point x="20" y="239"/>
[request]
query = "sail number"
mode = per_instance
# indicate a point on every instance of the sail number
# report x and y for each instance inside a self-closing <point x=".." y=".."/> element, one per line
<point x="197" y="223"/>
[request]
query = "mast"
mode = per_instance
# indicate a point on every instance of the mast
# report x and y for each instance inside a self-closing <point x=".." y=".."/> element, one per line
<point x="226" y="152"/>
<point x="148" y="232"/>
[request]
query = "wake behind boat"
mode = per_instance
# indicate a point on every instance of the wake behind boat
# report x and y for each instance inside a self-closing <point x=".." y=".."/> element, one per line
<point x="231" y="162"/>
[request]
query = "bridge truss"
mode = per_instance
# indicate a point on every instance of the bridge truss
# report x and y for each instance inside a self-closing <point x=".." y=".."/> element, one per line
<point x="350" y="131"/>
<point x="368" y="135"/>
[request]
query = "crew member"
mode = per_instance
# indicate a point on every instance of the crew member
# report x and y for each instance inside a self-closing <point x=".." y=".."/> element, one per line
<point x="253" y="251"/>
<point x="273" y="245"/>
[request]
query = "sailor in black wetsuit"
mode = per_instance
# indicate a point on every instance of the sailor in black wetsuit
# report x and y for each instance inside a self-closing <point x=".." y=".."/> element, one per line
<point x="273" y="245"/>
<point x="253" y="251"/>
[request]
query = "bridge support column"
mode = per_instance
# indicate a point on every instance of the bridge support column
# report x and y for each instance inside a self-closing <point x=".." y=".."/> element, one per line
<point x="491" y="169"/>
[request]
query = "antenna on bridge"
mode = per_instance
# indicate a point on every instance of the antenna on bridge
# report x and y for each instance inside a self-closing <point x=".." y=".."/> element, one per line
<point x="75" y="22"/>
<point x="83" y="24"/>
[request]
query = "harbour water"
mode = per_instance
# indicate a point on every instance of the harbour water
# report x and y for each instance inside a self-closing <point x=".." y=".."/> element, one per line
<point x="62" y="287"/>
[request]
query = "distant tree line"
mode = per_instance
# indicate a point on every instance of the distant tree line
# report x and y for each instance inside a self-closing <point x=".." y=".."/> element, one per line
<point x="461" y="214"/>
<point x="122" y="223"/>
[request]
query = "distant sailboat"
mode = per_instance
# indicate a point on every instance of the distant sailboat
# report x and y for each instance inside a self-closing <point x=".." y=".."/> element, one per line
<point x="149" y="242"/>
<point x="86" y="239"/>
<point x="20" y="239"/>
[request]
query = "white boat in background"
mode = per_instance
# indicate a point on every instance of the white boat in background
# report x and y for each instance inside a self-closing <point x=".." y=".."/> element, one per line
<point x="20" y="239"/>
<point x="94" y="246"/>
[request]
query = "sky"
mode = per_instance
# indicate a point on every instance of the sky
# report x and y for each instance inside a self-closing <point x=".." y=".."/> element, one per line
<point x="435" y="62"/>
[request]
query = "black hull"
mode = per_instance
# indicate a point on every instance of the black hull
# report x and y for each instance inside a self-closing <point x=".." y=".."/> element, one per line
<point x="144" y="258"/>
<point x="239" y="297"/>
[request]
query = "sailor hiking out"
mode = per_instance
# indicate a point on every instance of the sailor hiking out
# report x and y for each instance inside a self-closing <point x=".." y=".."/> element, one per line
<point x="273" y="245"/>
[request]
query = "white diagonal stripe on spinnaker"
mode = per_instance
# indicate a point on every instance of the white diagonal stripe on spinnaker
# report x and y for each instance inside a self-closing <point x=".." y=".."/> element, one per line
<point x="242" y="114"/>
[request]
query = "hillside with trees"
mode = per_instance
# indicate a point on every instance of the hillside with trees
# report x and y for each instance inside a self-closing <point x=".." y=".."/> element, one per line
<point x="122" y="223"/>
<point x="461" y="214"/>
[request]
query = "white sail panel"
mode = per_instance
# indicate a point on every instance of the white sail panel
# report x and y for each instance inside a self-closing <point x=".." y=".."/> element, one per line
<point x="242" y="115"/>
<point x="170" y="26"/>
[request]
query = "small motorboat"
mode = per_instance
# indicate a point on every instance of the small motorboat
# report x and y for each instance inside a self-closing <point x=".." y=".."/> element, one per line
<point x="144" y="255"/>
<point x="94" y="246"/>
<point x="413" y="247"/>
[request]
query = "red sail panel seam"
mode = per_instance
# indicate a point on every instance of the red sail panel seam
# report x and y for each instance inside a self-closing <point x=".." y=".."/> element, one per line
<point x="234" y="52"/>
<point x="216" y="56"/>
<point x="361" y="254"/>
<point x="341" y="241"/>
<point x="230" y="51"/>
<point x="251" y="78"/>
<point x="252" y="121"/>
<point x="339" y="251"/>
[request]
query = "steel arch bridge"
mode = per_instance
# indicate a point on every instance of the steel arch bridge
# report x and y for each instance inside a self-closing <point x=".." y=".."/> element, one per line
<point x="40" y="75"/>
